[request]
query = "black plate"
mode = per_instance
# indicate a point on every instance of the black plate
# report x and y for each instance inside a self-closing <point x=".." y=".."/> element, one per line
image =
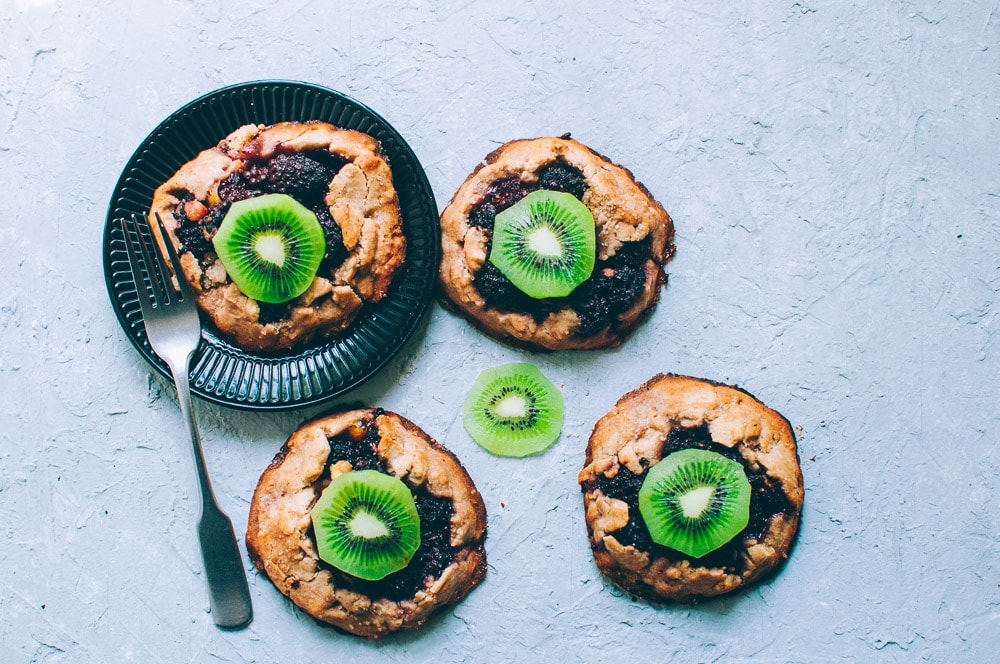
<point x="220" y="371"/>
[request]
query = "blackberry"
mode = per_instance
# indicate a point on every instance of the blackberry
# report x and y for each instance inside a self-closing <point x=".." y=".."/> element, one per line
<point x="272" y="313"/>
<point x="559" y="176"/>
<point x="500" y="293"/>
<point x="435" y="552"/>
<point x="336" y="252"/>
<point x="505" y="192"/>
<point x="302" y="178"/>
<point x="611" y="289"/>
<point x="359" y="448"/>
<point x="193" y="239"/>
<point x="483" y="215"/>
<point x="213" y="218"/>
<point x="255" y="174"/>
<point x="237" y="188"/>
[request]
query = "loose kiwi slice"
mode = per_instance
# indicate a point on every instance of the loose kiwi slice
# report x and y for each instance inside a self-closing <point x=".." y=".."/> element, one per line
<point x="366" y="524"/>
<point x="513" y="410"/>
<point x="271" y="247"/>
<point x="694" y="501"/>
<point x="545" y="243"/>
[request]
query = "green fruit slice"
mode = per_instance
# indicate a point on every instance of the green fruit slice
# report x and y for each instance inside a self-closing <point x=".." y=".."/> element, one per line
<point x="366" y="524"/>
<point x="694" y="501"/>
<point x="513" y="410"/>
<point x="545" y="243"/>
<point x="271" y="247"/>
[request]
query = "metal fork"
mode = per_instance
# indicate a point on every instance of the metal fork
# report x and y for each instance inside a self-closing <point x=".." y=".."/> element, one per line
<point x="174" y="329"/>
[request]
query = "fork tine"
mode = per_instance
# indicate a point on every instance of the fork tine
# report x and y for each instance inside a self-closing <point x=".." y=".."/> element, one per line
<point x="175" y="262"/>
<point x="162" y="290"/>
<point x="136" y="264"/>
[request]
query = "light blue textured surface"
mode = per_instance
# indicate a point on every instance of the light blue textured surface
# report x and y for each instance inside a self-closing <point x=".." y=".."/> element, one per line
<point x="832" y="170"/>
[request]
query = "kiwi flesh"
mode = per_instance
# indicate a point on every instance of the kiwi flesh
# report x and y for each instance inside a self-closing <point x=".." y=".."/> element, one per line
<point x="366" y="524"/>
<point x="695" y="501"/>
<point x="271" y="247"/>
<point x="513" y="410"/>
<point x="545" y="243"/>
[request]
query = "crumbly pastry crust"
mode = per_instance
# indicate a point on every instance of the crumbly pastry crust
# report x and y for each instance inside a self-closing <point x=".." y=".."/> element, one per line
<point x="361" y="199"/>
<point x="624" y="211"/>
<point x="278" y="538"/>
<point x="633" y="435"/>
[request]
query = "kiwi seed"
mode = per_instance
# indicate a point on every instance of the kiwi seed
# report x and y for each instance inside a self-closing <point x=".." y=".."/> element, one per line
<point x="545" y="243"/>
<point x="366" y="524"/>
<point x="271" y="247"/>
<point x="513" y="410"/>
<point x="694" y="501"/>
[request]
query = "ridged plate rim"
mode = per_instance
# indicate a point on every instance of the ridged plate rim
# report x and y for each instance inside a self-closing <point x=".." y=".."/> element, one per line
<point x="221" y="372"/>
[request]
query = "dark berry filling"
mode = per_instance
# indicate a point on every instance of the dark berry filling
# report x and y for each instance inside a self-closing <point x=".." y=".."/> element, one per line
<point x="358" y="445"/>
<point x="336" y="252"/>
<point x="271" y="313"/>
<point x="501" y="293"/>
<point x="502" y="193"/>
<point x="611" y="289"/>
<point x="766" y="501"/>
<point x="561" y="177"/>
<point x="303" y="176"/>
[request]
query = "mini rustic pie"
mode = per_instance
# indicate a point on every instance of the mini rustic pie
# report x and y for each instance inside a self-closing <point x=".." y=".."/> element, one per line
<point x="338" y="174"/>
<point x="675" y="414"/>
<point x="281" y="540"/>
<point x="633" y="242"/>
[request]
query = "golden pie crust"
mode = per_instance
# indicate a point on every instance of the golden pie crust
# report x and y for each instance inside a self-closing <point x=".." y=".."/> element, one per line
<point x="362" y="201"/>
<point x="623" y="210"/>
<point x="633" y="435"/>
<point x="278" y="534"/>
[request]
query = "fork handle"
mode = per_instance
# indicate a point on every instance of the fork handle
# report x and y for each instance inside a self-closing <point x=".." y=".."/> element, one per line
<point x="228" y="593"/>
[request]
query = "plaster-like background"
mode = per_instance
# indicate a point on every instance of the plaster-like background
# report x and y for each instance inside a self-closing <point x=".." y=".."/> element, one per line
<point x="832" y="169"/>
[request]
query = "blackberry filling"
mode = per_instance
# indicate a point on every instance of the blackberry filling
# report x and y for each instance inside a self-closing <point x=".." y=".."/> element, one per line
<point x="303" y="176"/>
<point x="358" y="445"/>
<point x="611" y="289"/>
<point x="767" y="500"/>
<point x="271" y="313"/>
<point x="562" y="177"/>
<point x="497" y="288"/>
<point x="336" y="252"/>
<point x="502" y="193"/>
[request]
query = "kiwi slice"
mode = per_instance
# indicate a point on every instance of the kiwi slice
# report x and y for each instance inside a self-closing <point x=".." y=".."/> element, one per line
<point x="366" y="524"/>
<point x="513" y="410"/>
<point x="694" y="501"/>
<point x="545" y="243"/>
<point x="271" y="247"/>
